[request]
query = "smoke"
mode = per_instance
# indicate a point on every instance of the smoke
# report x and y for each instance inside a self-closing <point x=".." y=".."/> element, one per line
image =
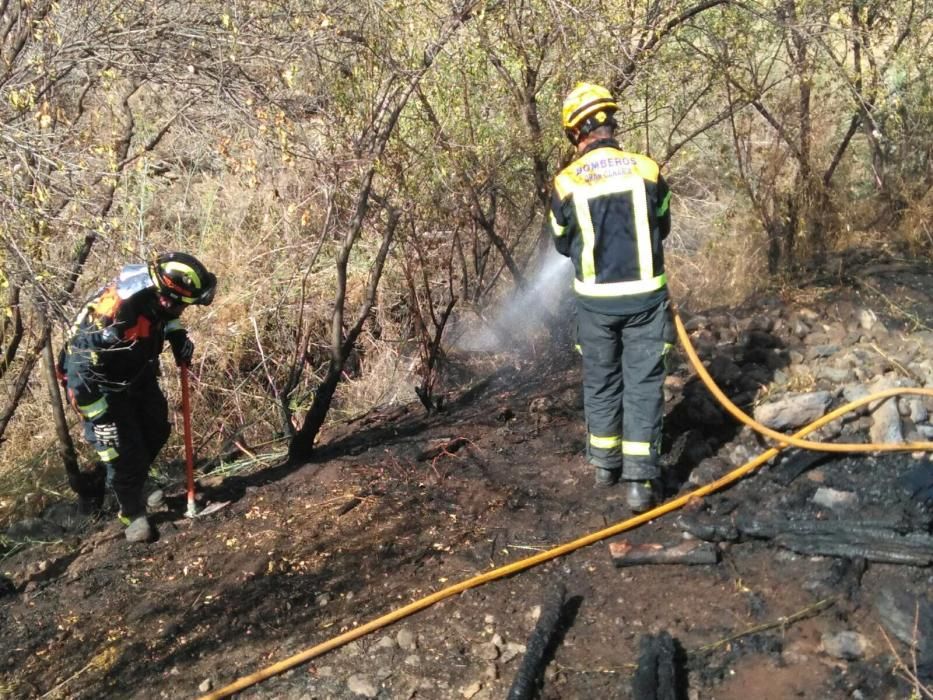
<point x="522" y="317"/>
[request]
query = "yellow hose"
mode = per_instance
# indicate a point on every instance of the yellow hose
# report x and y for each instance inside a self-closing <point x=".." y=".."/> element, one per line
<point x="792" y="440"/>
<point x="631" y="523"/>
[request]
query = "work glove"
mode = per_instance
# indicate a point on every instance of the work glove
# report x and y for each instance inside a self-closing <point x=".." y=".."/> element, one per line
<point x="182" y="347"/>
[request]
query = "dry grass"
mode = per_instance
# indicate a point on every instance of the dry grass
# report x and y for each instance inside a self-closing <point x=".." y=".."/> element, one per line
<point x="258" y="228"/>
<point x="917" y="229"/>
<point x="715" y="254"/>
<point x="906" y="669"/>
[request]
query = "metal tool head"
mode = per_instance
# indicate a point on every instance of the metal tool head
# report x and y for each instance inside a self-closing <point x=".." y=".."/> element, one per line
<point x="193" y="512"/>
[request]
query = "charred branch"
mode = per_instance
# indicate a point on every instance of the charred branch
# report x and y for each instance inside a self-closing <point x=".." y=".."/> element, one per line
<point x="877" y="541"/>
<point x="540" y="644"/>
<point x="661" y="671"/>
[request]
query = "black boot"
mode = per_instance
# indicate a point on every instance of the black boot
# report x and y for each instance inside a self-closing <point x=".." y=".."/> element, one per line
<point x="641" y="496"/>
<point x="606" y="477"/>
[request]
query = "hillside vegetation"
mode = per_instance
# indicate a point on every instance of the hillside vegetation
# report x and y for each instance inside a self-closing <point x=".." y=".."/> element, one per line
<point x="366" y="177"/>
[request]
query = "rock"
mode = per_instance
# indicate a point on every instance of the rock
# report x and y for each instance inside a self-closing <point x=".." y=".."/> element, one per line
<point x="916" y="411"/>
<point x="709" y="470"/>
<point x="845" y="645"/>
<point x="923" y="370"/>
<point x="793" y="410"/>
<point x="487" y="652"/>
<point x="866" y="318"/>
<point x="816" y="352"/>
<point x="833" y="499"/>
<point x="472" y="689"/>
<point x="352" y="648"/>
<point x="406" y="640"/>
<point x="886" y="421"/>
<point x="385" y="642"/>
<point x="206" y="685"/>
<point x="854" y="392"/>
<point x="800" y="325"/>
<point x="361" y="685"/>
<point x="836" y="375"/>
<point x="828" y="432"/>
<point x="511" y="650"/>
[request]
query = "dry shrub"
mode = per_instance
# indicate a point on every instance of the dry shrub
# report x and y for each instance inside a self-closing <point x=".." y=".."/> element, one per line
<point x="254" y="242"/>
<point x="31" y="474"/>
<point x="715" y="254"/>
<point x="916" y="227"/>
<point x="383" y="376"/>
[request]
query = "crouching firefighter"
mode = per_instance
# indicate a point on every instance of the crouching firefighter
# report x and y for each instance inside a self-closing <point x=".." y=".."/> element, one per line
<point x="110" y="365"/>
<point x="609" y="214"/>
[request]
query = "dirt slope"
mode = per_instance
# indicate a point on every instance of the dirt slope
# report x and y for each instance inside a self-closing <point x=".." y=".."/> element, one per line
<point x="401" y="504"/>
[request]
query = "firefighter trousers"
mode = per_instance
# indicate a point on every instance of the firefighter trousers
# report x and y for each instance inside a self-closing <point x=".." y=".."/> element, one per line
<point x="623" y="395"/>
<point x="140" y="413"/>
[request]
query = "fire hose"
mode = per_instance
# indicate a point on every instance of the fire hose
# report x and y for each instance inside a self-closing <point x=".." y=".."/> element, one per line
<point x="784" y="441"/>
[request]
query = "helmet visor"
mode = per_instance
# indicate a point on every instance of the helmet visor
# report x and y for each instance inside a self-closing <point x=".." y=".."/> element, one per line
<point x="207" y="294"/>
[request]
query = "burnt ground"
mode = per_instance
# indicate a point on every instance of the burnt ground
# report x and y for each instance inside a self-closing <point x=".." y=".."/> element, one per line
<point x="399" y="504"/>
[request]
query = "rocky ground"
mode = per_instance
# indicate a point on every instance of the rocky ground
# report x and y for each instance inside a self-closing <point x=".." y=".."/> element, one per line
<point x="819" y="587"/>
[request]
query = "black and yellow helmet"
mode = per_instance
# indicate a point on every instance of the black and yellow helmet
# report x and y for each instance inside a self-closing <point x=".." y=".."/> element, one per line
<point x="182" y="278"/>
<point x="587" y="107"/>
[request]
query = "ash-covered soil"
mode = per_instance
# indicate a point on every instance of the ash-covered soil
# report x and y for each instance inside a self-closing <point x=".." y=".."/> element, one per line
<point x="400" y="504"/>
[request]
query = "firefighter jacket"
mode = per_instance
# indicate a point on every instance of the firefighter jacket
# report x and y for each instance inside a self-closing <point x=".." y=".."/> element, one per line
<point x="610" y="211"/>
<point x="116" y="339"/>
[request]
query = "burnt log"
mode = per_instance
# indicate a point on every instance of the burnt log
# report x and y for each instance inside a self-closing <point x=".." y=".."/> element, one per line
<point x="709" y="528"/>
<point x="877" y="541"/>
<point x="538" y="650"/>
<point x="794" y="464"/>
<point x="625" y="553"/>
<point x="871" y="540"/>
<point x="660" y="674"/>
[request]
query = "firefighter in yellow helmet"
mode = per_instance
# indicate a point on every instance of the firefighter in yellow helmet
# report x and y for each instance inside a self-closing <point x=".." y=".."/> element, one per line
<point x="609" y="214"/>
